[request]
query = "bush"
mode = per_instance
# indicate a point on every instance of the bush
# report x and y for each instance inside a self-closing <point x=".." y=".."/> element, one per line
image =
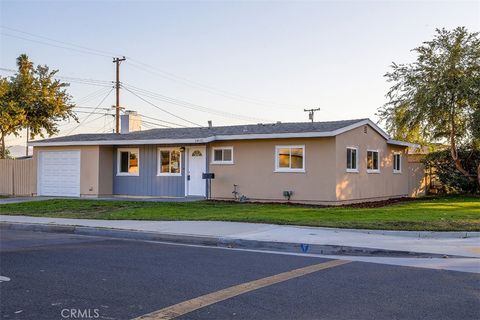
<point x="453" y="180"/>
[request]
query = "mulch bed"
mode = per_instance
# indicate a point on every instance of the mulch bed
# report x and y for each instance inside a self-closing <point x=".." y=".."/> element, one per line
<point x="370" y="204"/>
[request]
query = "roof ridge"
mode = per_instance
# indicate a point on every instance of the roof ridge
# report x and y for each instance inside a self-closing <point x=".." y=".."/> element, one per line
<point x="269" y="123"/>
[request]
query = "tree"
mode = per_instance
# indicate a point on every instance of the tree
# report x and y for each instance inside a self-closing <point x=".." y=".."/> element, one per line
<point x="35" y="100"/>
<point x="11" y="115"/>
<point x="444" y="168"/>
<point x="438" y="95"/>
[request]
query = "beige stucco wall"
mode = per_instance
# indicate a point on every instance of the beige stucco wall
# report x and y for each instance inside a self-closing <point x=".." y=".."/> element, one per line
<point x="254" y="166"/>
<point x="95" y="168"/>
<point x="325" y="180"/>
<point x="363" y="185"/>
<point x="105" y="165"/>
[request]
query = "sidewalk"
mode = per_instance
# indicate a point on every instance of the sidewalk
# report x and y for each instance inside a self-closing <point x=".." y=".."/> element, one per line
<point x="440" y="243"/>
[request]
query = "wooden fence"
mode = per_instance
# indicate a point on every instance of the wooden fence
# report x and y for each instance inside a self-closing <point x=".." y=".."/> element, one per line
<point x="17" y="177"/>
<point x="418" y="180"/>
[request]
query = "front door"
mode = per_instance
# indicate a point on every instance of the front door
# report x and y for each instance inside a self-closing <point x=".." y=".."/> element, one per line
<point x="196" y="165"/>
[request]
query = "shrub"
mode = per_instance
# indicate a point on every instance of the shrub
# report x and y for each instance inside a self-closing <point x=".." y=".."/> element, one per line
<point x="452" y="180"/>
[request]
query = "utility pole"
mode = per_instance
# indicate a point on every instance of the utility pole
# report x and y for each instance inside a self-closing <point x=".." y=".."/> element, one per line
<point x="117" y="91"/>
<point x="311" y="113"/>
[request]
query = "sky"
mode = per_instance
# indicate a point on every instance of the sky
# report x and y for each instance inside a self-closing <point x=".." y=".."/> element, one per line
<point x="232" y="62"/>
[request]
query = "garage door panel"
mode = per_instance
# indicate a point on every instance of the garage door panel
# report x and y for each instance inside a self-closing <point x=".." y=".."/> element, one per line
<point x="59" y="173"/>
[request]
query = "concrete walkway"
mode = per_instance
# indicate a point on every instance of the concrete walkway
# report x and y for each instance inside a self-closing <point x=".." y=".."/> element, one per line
<point x="22" y="199"/>
<point x="448" y="243"/>
<point x="112" y="198"/>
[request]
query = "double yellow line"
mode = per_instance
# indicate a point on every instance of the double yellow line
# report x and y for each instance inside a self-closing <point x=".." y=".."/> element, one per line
<point x="184" y="307"/>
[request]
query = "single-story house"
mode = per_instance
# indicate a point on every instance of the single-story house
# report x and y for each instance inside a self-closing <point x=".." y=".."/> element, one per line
<point x="330" y="162"/>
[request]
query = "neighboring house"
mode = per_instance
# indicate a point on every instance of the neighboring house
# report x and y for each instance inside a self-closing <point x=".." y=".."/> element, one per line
<point x="331" y="162"/>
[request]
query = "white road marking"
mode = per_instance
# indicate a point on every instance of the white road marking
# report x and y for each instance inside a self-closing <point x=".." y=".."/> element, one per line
<point x="4" y="279"/>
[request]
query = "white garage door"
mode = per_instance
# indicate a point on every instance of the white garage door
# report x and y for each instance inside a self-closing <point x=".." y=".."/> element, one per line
<point x="59" y="173"/>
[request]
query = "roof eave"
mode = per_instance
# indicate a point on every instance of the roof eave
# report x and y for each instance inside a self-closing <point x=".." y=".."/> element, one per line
<point x="184" y="141"/>
<point x="403" y="143"/>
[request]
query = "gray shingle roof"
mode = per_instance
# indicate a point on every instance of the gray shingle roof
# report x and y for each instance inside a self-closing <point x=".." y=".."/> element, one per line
<point x="204" y="132"/>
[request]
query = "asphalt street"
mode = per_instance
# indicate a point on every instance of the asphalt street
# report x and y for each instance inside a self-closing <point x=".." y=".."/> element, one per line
<point x="63" y="276"/>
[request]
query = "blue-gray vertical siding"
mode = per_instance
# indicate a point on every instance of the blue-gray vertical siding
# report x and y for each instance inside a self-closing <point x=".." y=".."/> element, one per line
<point x="147" y="183"/>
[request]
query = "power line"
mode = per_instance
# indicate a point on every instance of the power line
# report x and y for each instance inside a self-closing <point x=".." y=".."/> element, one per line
<point x="94" y="82"/>
<point x="143" y="116"/>
<point x="104" y="129"/>
<point x="83" y="121"/>
<point x="147" y="68"/>
<point x="87" y="114"/>
<point x="84" y="82"/>
<point x="168" y="122"/>
<point x="160" y="108"/>
<point x="195" y="84"/>
<point x="91" y="96"/>
<point x="93" y="120"/>
<point x="106" y="53"/>
<point x="8" y="70"/>
<point x="148" y="127"/>
<point x="90" y="108"/>
<point x="95" y="94"/>
<point x="91" y="112"/>
<point x="193" y="106"/>
<point x="84" y="99"/>
<point x="111" y="125"/>
<point x="104" y="123"/>
<point x="156" y="124"/>
<point x="51" y="44"/>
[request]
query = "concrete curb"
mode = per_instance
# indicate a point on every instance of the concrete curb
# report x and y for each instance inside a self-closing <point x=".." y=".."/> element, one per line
<point x="218" y="241"/>
<point x="406" y="234"/>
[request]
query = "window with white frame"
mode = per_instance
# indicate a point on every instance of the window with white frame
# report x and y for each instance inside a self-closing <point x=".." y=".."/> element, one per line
<point x="373" y="164"/>
<point x="128" y="161"/>
<point x="397" y="163"/>
<point x="352" y="160"/>
<point x="222" y="155"/>
<point x="290" y="158"/>
<point x="169" y="162"/>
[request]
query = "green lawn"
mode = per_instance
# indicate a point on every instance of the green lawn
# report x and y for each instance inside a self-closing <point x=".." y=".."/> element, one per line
<point x="443" y="214"/>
